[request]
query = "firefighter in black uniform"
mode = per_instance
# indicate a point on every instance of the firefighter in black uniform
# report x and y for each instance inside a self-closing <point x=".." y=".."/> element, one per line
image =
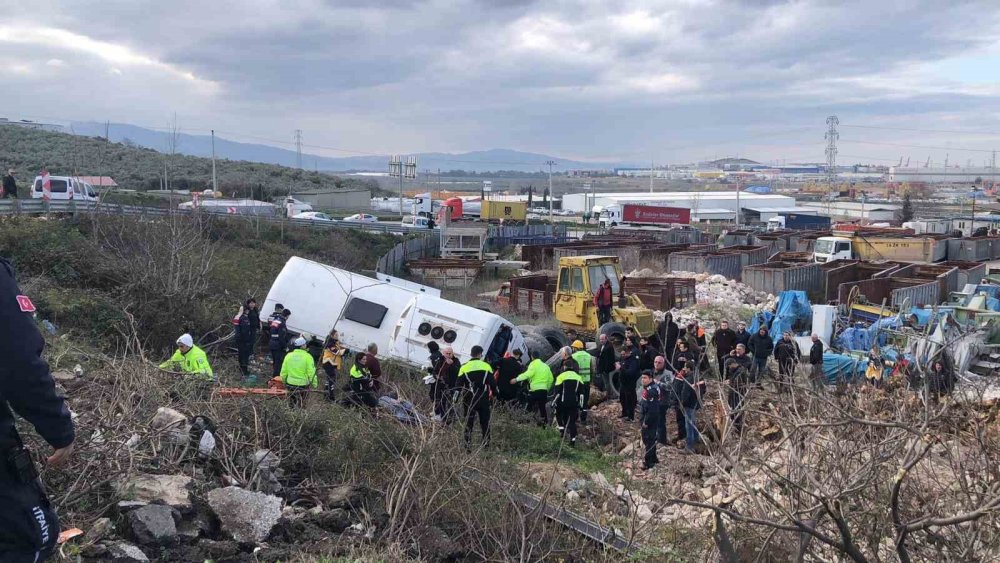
<point x="477" y="377"/>
<point x="28" y="524"/>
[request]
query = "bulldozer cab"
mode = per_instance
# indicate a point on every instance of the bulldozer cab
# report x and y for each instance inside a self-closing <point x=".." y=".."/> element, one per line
<point x="579" y="279"/>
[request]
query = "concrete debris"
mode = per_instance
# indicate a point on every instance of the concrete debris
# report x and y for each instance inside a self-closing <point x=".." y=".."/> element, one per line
<point x="63" y="375"/>
<point x="714" y="289"/>
<point x="578" y="485"/>
<point x="173" y="424"/>
<point x="268" y="471"/>
<point x="247" y="516"/>
<point x="153" y="524"/>
<point x="171" y="490"/>
<point x="122" y="551"/>
<point x="206" y="445"/>
<point x="601" y="482"/>
<point x="348" y="497"/>
<point x="98" y="530"/>
<point x="572" y="496"/>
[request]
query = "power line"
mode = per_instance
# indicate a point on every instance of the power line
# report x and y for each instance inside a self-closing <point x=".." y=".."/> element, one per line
<point x="950" y="131"/>
<point x="917" y="146"/>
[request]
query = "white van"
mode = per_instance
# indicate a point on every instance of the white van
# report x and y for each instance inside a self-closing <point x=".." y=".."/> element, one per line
<point x="64" y="187"/>
<point x="401" y="318"/>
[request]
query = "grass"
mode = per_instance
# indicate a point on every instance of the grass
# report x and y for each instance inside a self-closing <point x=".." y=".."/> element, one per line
<point x="514" y="435"/>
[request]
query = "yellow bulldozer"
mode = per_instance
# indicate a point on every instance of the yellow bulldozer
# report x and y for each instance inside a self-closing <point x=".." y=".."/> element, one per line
<point x="573" y="302"/>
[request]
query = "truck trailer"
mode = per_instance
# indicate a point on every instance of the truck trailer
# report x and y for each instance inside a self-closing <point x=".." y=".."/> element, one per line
<point x="400" y="317"/>
<point x="798" y="222"/>
<point x="845" y="246"/>
<point x="633" y="214"/>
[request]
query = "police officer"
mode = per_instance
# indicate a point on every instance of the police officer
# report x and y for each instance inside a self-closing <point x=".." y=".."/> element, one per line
<point x="568" y="394"/>
<point x="361" y="383"/>
<point x="477" y="377"/>
<point x="278" y="341"/>
<point x="28" y="523"/>
<point x="585" y="361"/>
<point x="247" y="324"/>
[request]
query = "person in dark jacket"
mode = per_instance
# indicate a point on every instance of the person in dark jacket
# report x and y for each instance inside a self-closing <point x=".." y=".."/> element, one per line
<point x="742" y="335"/>
<point x="724" y="341"/>
<point x="628" y="377"/>
<point x="687" y="392"/>
<point x="436" y="358"/>
<point x="632" y="337"/>
<point x="738" y="368"/>
<point x="508" y="368"/>
<point x="28" y="520"/>
<point x="10" y="185"/>
<point x="278" y="341"/>
<point x="761" y="346"/>
<point x="816" y="377"/>
<point x="247" y="324"/>
<point x="683" y="358"/>
<point x="375" y="368"/>
<point x="476" y="376"/>
<point x="445" y="382"/>
<point x="697" y="343"/>
<point x="788" y="355"/>
<point x="604" y="300"/>
<point x="605" y="361"/>
<point x="940" y="380"/>
<point x="649" y="410"/>
<point x="568" y="391"/>
<point x="668" y="331"/>
<point x="664" y="376"/>
<point x="647" y="353"/>
<point x="361" y="384"/>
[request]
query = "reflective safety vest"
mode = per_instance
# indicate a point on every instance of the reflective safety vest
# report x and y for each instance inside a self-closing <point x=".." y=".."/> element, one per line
<point x="538" y="375"/>
<point x="583" y="359"/>
<point x="299" y="369"/>
<point x="474" y="365"/>
<point x="194" y="362"/>
<point x="569" y="383"/>
<point x="359" y="374"/>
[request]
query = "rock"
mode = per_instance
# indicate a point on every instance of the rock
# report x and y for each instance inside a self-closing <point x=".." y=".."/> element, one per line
<point x="95" y="551"/>
<point x="132" y="442"/>
<point x="98" y="530"/>
<point x="126" y="506"/>
<point x="336" y="520"/>
<point x="219" y="549"/>
<point x="348" y="497"/>
<point x="247" y="516"/>
<point x="644" y="512"/>
<point x="433" y="544"/>
<point x="171" y="490"/>
<point x="167" y="418"/>
<point x="188" y="531"/>
<point x="153" y="525"/>
<point x="601" y="482"/>
<point x="266" y="460"/>
<point x="627" y="450"/>
<point x="707" y="493"/>
<point x="597" y="397"/>
<point x="206" y="445"/>
<point x="577" y="485"/>
<point x="63" y="375"/>
<point x="126" y="552"/>
<point x="572" y="496"/>
<point x="78" y="370"/>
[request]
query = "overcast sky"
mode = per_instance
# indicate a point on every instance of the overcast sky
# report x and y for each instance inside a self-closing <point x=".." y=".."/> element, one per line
<point x="670" y="80"/>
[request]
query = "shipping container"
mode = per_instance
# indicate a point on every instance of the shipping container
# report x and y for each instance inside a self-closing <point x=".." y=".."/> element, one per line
<point x="710" y="262"/>
<point x="749" y="254"/>
<point x="968" y="272"/>
<point x="840" y="272"/>
<point x="737" y="238"/>
<point x="493" y="210"/>
<point x="446" y="272"/>
<point x="806" y="242"/>
<point x="773" y="242"/>
<point x="531" y="295"/>
<point x="895" y="291"/>
<point x="663" y="294"/>
<point x="972" y="249"/>
<point x="790" y="257"/>
<point x="775" y="277"/>
<point x="946" y="276"/>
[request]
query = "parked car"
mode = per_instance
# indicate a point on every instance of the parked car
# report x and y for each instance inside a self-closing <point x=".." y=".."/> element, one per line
<point x="64" y="187"/>
<point x="532" y="216"/>
<point x="314" y="216"/>
<point x="361" y="218"/>
<point x="416" y="222"/>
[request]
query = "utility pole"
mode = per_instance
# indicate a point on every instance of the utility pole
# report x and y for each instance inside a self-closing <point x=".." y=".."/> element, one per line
<point x="738" y="202"/>
<point x="551" y="163"/>
<point x="650" y="176"/>
<point x="215" y="183"/>
<point x="397" y="168"/>
<point x="298" y="148"/>
<point x="831" y="156"/>
<point x="972" y="229"/>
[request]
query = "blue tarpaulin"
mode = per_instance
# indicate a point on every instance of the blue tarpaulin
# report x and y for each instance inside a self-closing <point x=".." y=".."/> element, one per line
<point x="793" y="310"/>
<point x="758" y="189"/>
<point x="840" y="367"/>
<point x="861" y="338"/>
<point x="763" y="318"/>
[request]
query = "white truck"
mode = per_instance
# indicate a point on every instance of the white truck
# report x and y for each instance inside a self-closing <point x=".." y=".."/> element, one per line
<point x="399" y="316"/>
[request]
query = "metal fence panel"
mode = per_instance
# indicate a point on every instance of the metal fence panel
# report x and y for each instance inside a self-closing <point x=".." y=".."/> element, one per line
<point x="775" y="277"/>
<point x="728" y="265"/>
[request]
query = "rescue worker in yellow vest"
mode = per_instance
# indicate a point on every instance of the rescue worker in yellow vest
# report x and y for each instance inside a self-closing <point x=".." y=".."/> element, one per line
<point x="189" y="359"/>
<point x="480" y="388"/>
<point x="298" y="373"/>
<point x="538" y="374"/>
<point x="362" y="391"/>
<point x="333" y="362"/>
<point x="584" y="360"/>
<point x="568" y="393"/>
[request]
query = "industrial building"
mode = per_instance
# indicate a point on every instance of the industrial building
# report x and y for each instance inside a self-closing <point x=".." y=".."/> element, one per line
<point x="951" y="175"/>
<point x="704" y="206"/>
<point x="874" y="212"/>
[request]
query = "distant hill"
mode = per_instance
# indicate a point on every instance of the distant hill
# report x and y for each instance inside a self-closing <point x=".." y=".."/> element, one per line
<point x="140" y="168"/>
<point x="201" y="145"/>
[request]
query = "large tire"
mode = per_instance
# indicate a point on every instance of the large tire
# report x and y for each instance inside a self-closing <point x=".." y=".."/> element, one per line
<point x="538" y="347"/>
<point x="555" y="337"/>
<point x="614" y="331"/>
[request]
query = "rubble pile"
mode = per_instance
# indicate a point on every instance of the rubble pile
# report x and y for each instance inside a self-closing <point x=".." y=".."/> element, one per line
<point x="714" y="289"/>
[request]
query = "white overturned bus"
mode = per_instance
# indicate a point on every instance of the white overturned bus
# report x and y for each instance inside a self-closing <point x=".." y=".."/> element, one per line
<point x="401" y="317"/>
